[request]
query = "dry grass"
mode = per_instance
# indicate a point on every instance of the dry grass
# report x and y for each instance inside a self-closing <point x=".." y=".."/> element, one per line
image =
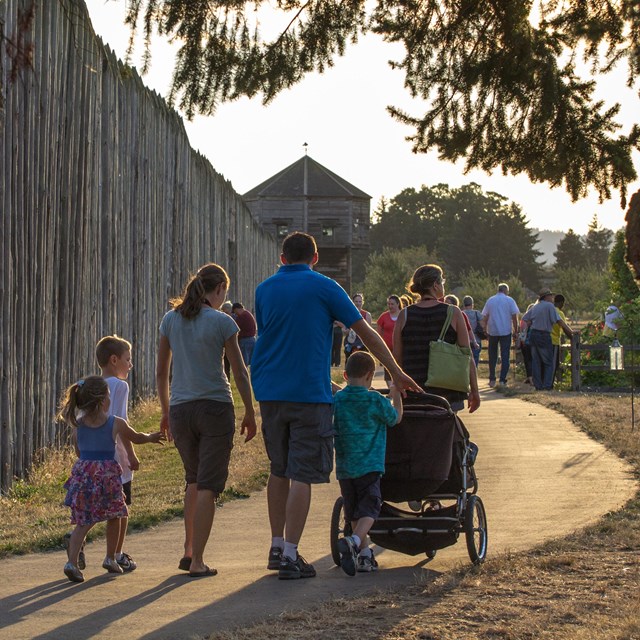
<point x="583" y="587"/>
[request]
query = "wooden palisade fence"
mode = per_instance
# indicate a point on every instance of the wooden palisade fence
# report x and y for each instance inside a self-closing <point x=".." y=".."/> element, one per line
<point x="105" y="210"/>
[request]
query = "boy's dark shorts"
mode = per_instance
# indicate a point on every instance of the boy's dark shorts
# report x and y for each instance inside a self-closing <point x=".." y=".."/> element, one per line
<point x="362" y="497"/>
<point x="126" y="489"/>
<point x="203" y="434"/>
<point x="298" y="437"/>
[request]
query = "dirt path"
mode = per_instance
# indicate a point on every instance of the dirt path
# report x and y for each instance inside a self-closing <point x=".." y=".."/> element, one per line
<point x="539" y="478"/>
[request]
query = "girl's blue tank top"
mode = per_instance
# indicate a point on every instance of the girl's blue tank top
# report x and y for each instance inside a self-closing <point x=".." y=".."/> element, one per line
<point x="96" y="443"/>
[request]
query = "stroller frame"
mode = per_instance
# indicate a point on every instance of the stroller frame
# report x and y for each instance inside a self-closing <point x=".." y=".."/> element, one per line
<point x="432" y="526"/>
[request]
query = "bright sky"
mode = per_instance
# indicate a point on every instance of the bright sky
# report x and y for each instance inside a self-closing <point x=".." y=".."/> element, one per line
<point x="342" y="116"/>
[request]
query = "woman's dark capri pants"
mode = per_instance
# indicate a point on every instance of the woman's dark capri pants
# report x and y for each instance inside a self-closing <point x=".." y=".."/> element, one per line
<point x="203" y="433"/>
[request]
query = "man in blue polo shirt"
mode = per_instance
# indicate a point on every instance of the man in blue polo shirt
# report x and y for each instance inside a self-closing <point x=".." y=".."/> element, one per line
<point x="291" y="378"/>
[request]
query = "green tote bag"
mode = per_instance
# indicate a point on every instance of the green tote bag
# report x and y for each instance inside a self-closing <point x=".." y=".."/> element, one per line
<point x="448" y="363"/>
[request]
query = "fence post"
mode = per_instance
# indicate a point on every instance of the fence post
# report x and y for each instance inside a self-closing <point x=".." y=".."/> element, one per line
<point x="575" y="362"/>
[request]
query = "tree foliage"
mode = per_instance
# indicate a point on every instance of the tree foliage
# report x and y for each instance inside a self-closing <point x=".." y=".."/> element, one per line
<point x="570" y="252"/>
<point x="388" y="272"/>
<point x="586" y="289"/>
<point x="465" y="227"/>
<point x="597" y="244"/>
<point x="481" y="285"/>
<point x="623" y="286"/>
<point x="593" y="251"/>
<point x="499" y="82"/>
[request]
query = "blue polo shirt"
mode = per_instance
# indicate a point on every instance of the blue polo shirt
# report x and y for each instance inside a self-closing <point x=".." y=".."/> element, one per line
<point x="295" y="311"/>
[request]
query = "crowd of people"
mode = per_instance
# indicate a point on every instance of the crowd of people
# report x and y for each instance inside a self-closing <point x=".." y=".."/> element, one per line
<point x="289" y="349"/>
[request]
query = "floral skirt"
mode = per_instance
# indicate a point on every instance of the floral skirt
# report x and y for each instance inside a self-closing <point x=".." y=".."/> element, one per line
<point x="94" y="492"/>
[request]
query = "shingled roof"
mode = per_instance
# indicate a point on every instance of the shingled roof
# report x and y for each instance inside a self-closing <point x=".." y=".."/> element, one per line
<point x="290" y="183"/>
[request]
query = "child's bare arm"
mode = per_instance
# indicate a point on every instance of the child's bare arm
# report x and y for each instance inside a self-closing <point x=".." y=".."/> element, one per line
<point x="396" y="399"/>
<point x="122" y="429"/>
<point x="134" y="463"/>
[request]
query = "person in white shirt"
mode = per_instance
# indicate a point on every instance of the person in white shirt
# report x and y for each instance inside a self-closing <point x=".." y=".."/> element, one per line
<point x="500" y="322"/>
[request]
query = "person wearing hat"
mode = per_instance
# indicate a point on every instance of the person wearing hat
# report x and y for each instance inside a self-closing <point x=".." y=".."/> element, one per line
<point x="542" y="317"/>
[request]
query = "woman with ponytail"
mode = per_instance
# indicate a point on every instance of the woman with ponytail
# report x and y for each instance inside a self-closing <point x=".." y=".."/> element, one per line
<point x="197" y="407"/>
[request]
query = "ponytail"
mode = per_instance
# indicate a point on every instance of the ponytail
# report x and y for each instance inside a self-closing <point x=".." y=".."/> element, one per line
<point x="85" y="395"/>
<point x="203" y="282"/>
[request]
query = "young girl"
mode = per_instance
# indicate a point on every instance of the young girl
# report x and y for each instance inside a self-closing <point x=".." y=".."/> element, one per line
<point x="94" y="490"/>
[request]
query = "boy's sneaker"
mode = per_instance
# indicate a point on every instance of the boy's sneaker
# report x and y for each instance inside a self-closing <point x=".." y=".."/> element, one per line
<point x="112" y="566"/>
<point x="294" y="569"/>
<point x="82" y="565"/>
<point x="126" y="562"/>
<point x="73" y="573"/>
<point x="366" y="564"/>
<point x="275" y="557"/>
<point x="348" y="555"/>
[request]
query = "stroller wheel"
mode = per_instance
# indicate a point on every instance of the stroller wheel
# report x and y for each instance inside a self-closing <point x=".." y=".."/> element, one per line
<point x="339" y="528"/>
<point x="431" y="553"/>
<point x="475" y="529"/>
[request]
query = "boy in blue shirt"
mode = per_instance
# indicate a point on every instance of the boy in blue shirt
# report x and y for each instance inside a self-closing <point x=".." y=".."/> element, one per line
<point x="360" y="419"/>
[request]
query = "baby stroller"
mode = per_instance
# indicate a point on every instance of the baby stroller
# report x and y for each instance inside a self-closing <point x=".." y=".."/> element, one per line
<point x="429" y="470"/>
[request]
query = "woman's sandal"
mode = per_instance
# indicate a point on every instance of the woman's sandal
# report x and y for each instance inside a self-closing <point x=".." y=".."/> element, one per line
<point x="203" y="574"/>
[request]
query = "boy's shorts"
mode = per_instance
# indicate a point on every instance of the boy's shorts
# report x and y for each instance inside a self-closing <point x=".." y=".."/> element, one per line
<point x="203" y="434"/>
<point x="298" y="437"/>
<point x="126" y="489"/>
<point x="362" y="497"/>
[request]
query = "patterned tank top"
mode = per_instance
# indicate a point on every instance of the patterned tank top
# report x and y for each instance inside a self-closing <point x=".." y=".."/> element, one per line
<point x="423" y="325"/>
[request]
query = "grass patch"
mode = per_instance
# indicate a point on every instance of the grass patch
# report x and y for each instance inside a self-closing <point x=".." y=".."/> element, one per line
<point x="34" y="518"/>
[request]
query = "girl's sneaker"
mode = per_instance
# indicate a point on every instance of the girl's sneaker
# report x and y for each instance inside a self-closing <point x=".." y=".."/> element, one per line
<point x="366" y="564"/>
<point x="126" y="562"/>
<point x="111" y="565"/>
<point x="73" y="573"/>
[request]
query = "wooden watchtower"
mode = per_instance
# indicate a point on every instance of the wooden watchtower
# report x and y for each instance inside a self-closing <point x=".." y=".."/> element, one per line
<point x="308" y="197"/>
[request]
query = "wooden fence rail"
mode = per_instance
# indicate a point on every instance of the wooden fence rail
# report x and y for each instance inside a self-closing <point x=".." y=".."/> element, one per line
<point x="105" y="210"/>
<point x="577" y="349"/>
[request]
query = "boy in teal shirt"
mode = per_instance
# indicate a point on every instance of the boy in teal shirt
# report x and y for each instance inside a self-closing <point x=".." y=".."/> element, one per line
<point x="361" y="418"/>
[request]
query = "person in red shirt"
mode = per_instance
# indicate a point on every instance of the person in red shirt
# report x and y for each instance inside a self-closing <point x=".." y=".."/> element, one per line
<point x="386" y="323"/>
<point x="247" y="336"/>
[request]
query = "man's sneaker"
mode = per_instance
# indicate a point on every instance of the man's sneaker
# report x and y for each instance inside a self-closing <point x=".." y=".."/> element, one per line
<point x="82" y="565"/>
<point x="348" y="555"/>
<point x="275" y="556"/>
<point x="73" y="573"/>
<point x="492" y="383"/>
<point x="366" y="564"/>
<point x="294" y="569"/>
<point x="112" y="566"/>
<point x="126" y="562"/>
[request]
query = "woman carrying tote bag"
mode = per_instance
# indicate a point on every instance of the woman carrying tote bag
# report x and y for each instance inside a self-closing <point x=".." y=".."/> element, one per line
<point x="420" y="324"/>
